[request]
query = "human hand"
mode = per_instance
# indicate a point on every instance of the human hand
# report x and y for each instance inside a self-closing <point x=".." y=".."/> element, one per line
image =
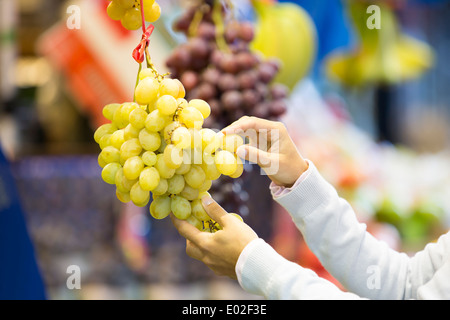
<point x="220" y="250"/>
<point x="271" y="148"/>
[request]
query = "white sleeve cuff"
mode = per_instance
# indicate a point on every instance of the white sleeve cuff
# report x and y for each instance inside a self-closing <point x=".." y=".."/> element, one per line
<point x="244" y="256"/>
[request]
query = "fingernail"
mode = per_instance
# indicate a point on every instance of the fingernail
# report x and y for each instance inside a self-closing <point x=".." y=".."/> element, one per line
<point x="206" y="200"/>
<point x="241" y="152"/>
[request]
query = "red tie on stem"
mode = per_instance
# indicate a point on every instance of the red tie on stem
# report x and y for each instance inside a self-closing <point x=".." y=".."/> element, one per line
<point x="139" y="52"/>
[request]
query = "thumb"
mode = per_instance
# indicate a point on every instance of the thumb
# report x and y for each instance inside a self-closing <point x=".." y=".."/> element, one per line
<point x="214" y="210"/>
<point x="255" y="155"/>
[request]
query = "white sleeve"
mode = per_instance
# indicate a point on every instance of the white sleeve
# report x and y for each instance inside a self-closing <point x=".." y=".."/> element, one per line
<point x="262" y="271"/>
<point x="361" y="263"/>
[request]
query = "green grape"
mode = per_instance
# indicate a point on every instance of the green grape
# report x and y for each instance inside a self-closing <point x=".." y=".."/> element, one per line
<point x="195" y="222"/>
<point x="167" y="105"/>
<point x="149" y="158"/>
<point x="130" y="132"/>
<point x="105" y="141"/>
<point x="201" y="106"/>
<point x="209" y="167"/>
<point x="185" y="165"/>
<point x="146" y="91"/>
<point x="198" y="211"/>
<point x="139" y="196"/>
<point x="173" y="156"/>
<point x="231" y="142"/>
<point x="164" y="171"/>
<point x="149" y="179"/>
<point x="169" y="87"/>
<point x="169" y="129"/>
<point x="226" y="162"/>
<point x="103" y="130"/>
<point x="181" y="90"/>
<point x="117" y="138"/>
<point x="191" y="117"/>
<point x="205" y="186"/>
<point x="152" y="13"/>
<point x="239" y="170"/>
<point x="161" y="188"/>
<point x="108" y="110"/>
<point x="122" y="114"/>
<point x="182" y="103"/>
<point x="181" y="138"/>
<point x="155" y="121"/>
<point x="132" y="19"/>
<point x="189" y="193"/>
<point x="149" y="140"/>
<point x="130" y="148"/>
<point x="109" y="172"/>
<point x="133" y="167"/>
<point x="115" y="11"/>
<point x="138" y="117"/>
<point x="119" y="179"/>
<point x="127" y="4"/>
<point x="163" y="145"/>
<point x="160" y="208"/>
<point x="181" y="207"/>
<point x="176" y="184"/>
<point x="195" y="156"/>
<point x="123" y="196"/>
<point x="146" y="73"/>
<point x="102" y="163"/>
<point x="110" y="154"/>
<point x="195" y="177"/>
<point x="196" y="138"/>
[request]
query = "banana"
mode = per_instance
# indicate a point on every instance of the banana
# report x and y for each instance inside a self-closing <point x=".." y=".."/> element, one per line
<point x="383" y="56"/>
<point x="285" y="31"/>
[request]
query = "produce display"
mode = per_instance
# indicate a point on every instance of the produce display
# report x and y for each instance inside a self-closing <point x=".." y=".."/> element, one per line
<point x="217" y="64"/>
<point x="155" y="148"/>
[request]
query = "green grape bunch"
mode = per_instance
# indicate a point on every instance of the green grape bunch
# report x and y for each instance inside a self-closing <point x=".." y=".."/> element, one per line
<point x="128" y="12"/>
<point x="156" y="148"/>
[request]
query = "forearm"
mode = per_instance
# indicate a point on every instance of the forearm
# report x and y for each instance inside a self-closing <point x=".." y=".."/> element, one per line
<point x="264" y="272"/>
<point x="361" y="263"/>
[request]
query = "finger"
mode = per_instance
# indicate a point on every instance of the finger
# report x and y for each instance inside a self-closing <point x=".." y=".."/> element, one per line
<point x="186" y="230"/>
<point x="255" y="155"/>
<point x="193" y="251"/>
<point x="246" y="123"/>
<point x="214" y="210"/>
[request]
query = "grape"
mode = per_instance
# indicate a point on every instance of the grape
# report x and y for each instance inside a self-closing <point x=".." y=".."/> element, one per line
<point x="117" y="139"/>
<point x="198" y="211"/>
<point x="133" y="167"/>
<point x="195" y="222"/>
<point x="161" y="188"/>
<point x="173" y="156"/>
<point x="239" y="170"/>
<point x="110" y="154"/>
<point x="181" y="207"/>
<point x="152" y="13"/>
<point x="191" y="117"/>
<point x="126" y="4"/>
<point x="147" y="73"/>
<point x="115" y="11"/>
<point x="130" y="132"/>
<point x="104" y="130"/>
<point x="176" y="184"/>
<point x="167" y="105"/>
<point x="201" y="106"/>
<point x="147" y="90"/>
<point x="195" y="177"/>
<point x="226" y="162"/>
<point x="161" y="207"/>
<point x="164" y="171"/>
<point x="210" y="168"/>
<point x="169" y="87"/>
<point x="231" y="142"/>
<point x="109" y="172"/>
<point x="130" y="148"/>
<point x="139" y="196"/>
<point x="155" y="121"/>
<point x="123" y="196"/>
<point x="132" y="20"/>
<point x="149" y="179"/>
<point x="189" y="193"/>
<point x="108" y="110"/>
<point x="149" y="140"/>
<point x="205" y="186"/>
<point x="149" y="158"/>
<point x="181" y="138"/>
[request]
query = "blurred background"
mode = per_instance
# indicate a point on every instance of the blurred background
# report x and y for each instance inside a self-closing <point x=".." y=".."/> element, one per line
<point x="369" y="106"/>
